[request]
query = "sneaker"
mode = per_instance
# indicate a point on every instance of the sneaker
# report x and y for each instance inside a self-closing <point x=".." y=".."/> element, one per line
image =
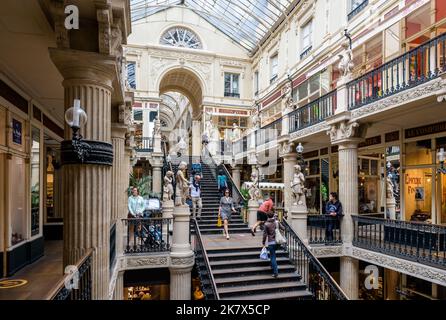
<point x="275" y="275"/>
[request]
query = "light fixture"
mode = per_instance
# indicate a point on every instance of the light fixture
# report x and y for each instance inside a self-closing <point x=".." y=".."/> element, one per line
<point x="76" y="117"/>
<point x="441" y="156"/>
<point x="300" y="148"/>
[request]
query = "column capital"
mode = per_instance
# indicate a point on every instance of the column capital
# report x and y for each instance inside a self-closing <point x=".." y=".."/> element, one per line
<point x="156" y="161"/>
<point x="286" y="150"/>
<point x="345" y="131"/>
<point x="118" y="130"/>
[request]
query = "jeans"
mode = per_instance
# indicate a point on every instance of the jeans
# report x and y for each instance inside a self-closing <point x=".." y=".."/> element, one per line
<point x="272" y="255"/>
<point x="330" y="225"/>
<point x="196" y="202"/>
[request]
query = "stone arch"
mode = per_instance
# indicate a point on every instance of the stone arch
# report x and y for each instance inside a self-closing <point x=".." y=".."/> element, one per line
<point x="186" y="81"/>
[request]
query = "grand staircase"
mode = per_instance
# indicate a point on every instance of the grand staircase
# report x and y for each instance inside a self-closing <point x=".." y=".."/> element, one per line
<point x="211" y="201"/>
<point x="237" y="270"/>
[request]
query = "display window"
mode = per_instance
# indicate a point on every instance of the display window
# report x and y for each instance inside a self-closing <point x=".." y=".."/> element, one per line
<point x="418" y="152"/>
<point x="152" y="292"/>
<point x="370" y="189"/>
<point x="418" y="194"/>
<point x="393" y="171"/>
<point x="35" y="181"/>
<point x="17" y="199"/>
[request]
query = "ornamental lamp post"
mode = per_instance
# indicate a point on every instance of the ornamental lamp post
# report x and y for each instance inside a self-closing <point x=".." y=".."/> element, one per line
<point x="76" y="117"/>
<point x="441" y="156"/>
<point x="300" y="158"/>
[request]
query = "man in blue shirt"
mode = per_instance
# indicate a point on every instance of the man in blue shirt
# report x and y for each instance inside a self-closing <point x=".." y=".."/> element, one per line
<point x="333" y="209"/>
<point x="197" y="167"/>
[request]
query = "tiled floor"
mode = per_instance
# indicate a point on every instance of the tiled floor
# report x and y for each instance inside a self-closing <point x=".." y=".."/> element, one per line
<point x="42" y="275"/>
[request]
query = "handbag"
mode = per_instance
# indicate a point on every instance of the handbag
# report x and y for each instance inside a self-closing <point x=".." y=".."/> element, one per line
<point x="280" y="239"/>
<point x="264" y="254"/>
<point x="219" y="224"/>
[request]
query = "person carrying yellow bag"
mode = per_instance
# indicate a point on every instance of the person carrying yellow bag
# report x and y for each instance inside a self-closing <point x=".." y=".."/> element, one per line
<point x="225" y="210"/>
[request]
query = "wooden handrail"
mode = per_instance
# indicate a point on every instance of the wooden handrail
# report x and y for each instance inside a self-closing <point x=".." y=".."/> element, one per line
<point x="61" y="283"/>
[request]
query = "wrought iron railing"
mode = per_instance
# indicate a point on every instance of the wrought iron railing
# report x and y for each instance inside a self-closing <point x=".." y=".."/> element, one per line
<point x="144" y="144"/>
<point x="146" y="235"/>
<point x="112" y="255"/>
<point x="324" y="229"/>
<point x="208" y="285"/>
<point x="76" y="285"/>
<point x="232" y="94"/>
<point x="268" y="133"/>
<point x="313" y="113"/>
<point x="357" y="9"/>
<point x="415" y="241"/>
<point x="411" y="69"/>
<point x="314" y="275"/>
<point x="305" y="52"/>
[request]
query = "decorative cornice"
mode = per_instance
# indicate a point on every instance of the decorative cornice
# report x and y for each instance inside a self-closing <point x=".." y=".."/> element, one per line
<point x="187" y="261"/>
<point x="408" y="267"/>
<point x="309" y="130"/>
<point x="147" y="262"/>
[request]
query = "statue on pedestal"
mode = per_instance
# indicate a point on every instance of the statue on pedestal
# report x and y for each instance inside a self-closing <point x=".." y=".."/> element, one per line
<point x="168" y="187"/>
<point x="157" y="127"/>
<point x="182" y="185"/>
<point x="256" y="120"/>
<point x="297" y="187"/>
<point x="287" y="99"/>
<point x="236" y="132"/>
<point x="346" y="64"/>
<point x="254" y="192"/>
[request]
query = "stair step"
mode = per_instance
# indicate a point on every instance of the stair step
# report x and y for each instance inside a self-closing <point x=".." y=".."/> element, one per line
<point x="241" y="255"/>
<point x="297" y="294"/>
<point x="220" y="231"/>
<point x="288" y="276"/>
<point x="246" y="262"/>
<point x="264" y="287"/>
<point x="250" y="270"/>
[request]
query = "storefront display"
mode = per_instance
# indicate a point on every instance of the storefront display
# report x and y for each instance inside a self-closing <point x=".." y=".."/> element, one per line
<point x="17" y="199"/>
<point x="35" y="181"/>
<point x="154" y="292"/>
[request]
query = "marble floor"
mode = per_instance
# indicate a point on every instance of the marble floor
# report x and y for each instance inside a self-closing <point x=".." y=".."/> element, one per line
<point x="41" y="275"/>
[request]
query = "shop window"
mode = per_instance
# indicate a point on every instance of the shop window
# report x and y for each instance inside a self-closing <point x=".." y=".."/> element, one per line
<point x="418" y="194"/>
<point x="419" y="152"/>
<point x="440" y="10"/>
<point x="35" y="181"/>
<point x="17" y="199"/>
<point x="392" y="41"/>
<point x="418" y="21"/>
<point x="314" y="167"/>
<point x="274" y="60"/>
<point x="232" y="85"/>
<point x="313" y="199"/>
<point x="325" y="176"/>
<point x="153" y="292"/>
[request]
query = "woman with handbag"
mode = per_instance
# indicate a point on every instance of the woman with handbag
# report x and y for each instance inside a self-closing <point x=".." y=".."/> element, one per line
<point x="271" y="227"/>
<point x="225" y="210"/>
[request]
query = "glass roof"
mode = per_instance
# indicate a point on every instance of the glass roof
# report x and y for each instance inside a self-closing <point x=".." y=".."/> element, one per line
<point x="247" y="22"/>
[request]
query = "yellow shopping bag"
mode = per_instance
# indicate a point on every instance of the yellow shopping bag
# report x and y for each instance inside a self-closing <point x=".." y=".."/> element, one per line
<point x="219" y="222"/>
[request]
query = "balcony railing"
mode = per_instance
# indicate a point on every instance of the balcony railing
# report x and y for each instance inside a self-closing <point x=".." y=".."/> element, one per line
<point x="357" y="9"/>
<point x="415" y="241"/>
<point x="305" y="52"/>
<point x="323" y="229"/>
<point x="314" y="275"/>
<point x="147" y="235"/>
<point x="232" y="94"/>
<point x="76" y="285"/>
<point x="144" y="144"/>
<point x="411" y="69"/>
<point x="269" y="133"/>
<point x="313" y="113"/>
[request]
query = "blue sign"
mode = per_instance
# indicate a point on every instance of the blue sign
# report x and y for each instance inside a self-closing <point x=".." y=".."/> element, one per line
<point x="16" y="131"/>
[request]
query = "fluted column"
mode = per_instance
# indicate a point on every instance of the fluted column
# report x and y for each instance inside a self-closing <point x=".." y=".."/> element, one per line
<point x="119" y="181"/>
<point x="86" y="188"/>
<point x="119" y="287"/>
<point x="289" y="161"/>
<point x="236" y="176"/>
<point x="57" y="194"/>
<point x="347" y="135"/>
<point x="349" y="277"/>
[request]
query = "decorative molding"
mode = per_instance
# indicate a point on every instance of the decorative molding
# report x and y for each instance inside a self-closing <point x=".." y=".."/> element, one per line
<point x="286" y="148"/>
<point x="408" y="267"/>
<point x="104" y="30"/>
<point x="159" y="64"/>
<point x="343" y="130"/>
<point x="309" y="130"/>
<point x="99" y="153"/>
<point x="202" y="68"/>
<point x="159" y="53"/>
<point x="326" y="251"/>
<point x="182" y="261"/>
<point x="148" y="262"/>
<point x="400" y="98"/>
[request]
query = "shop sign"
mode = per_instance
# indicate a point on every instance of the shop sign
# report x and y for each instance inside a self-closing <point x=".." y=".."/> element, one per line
<point x="425" y="130"/>
<point x="233" y="111"/>
<point x="17" y="131"/>
<point x="413" y="187"/>
<point x="392" y="136"/>
<point x="370" y="142"/>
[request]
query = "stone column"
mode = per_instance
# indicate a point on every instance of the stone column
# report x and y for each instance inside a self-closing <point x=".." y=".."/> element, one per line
<point x="157" y="164"/>
<point x="181" y="255"/>
<point x="86" y="188"/>
<point x="391" y="281"/>
<point x="349" y="277"/>
<point x="119" y="183"/>
<point x="196" y="138"/>
<point x="286" y="151"/>
<point x="236" y="176"/>
<point x="347" y="135"/>
<point x="119" y="288"/>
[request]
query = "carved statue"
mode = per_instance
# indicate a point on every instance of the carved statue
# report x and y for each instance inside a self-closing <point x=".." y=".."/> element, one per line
<point x="287" y="98"/>
<point x="182" y="185"/>
<point x="236" y="132"/>
<point x="168" y="187"/>
<point x="390" y="188"/>
<point x="346" y="64"/>
<point x="157" y="128"/>
<point x="256" y="120"/>
<point x="254" y="192"/>
<point x="297" y="187"/>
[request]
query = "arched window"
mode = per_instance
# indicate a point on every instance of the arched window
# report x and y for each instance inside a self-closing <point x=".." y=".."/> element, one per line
<point x="181" y="37"/>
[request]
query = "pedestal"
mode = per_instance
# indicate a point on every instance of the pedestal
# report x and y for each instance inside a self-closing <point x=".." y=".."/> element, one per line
<point x="299" y="214"/>
<point x="157" y="143"/>
<point x="252" y="212"/>
<point x="167" y="214"/>
<point x="390" y="206"/>
<point x="289" y="161"/>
